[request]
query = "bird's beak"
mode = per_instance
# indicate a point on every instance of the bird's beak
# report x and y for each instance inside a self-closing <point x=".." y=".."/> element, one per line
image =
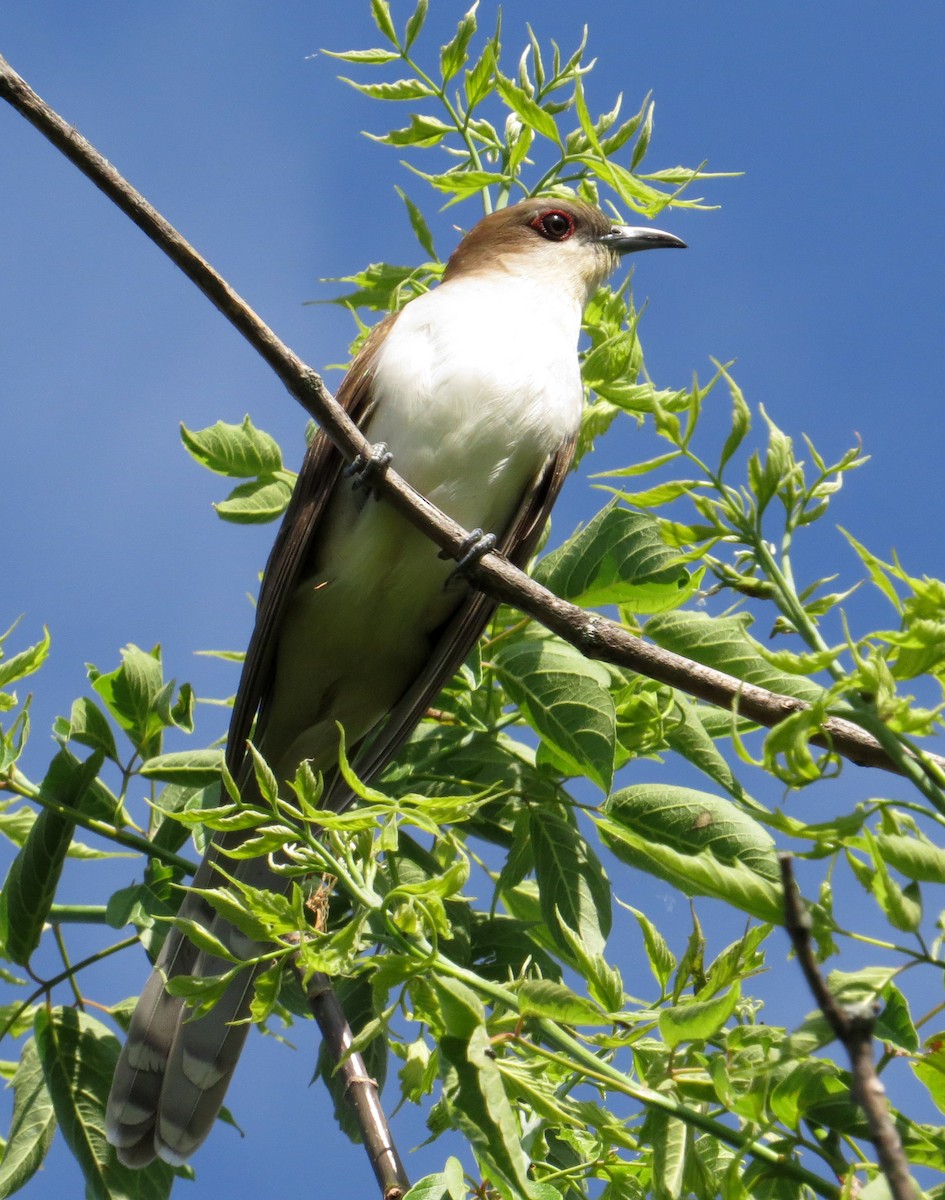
<point x="625" y="239"/>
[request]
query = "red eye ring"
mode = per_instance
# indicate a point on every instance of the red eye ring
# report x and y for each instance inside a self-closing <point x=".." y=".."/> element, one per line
<point x="554" y="224"/>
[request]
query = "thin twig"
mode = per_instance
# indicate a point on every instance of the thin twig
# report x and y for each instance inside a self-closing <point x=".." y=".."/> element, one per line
<point x="360" y="1089"/>
<point x="594" y="635"/>
<point x="46" y="985"/>
<point x="854" y="1029"/>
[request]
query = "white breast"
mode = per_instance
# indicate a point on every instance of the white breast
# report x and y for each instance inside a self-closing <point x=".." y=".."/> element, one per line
<point x="476" y="385"/>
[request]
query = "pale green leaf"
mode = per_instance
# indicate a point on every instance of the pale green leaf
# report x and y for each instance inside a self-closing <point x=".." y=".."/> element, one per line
<point x="453" y="56"/>
<point x="380" y="11"/>
<point x="661" y="959"/>
<point x="378" y="57"/>
<point x="399" y="89"/>
<point x="18" y="666"/>
<point x="238" y="451"/>
<point x="32" y="1125"/>
<point x="255" y="503"/>
<point x="699" y="1020"/>
<point x="546" y="998"/>
<point x="188" y="768"/>
<point x="618" y="558"/>
<point x="531" y="113"/>
<point x="724" y="644"/>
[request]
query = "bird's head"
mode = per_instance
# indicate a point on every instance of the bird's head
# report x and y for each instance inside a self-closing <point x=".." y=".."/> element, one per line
<point x="568" y="244"/>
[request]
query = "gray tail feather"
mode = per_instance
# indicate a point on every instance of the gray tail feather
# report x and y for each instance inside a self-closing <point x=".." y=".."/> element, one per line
<point x="173" y="1072"/>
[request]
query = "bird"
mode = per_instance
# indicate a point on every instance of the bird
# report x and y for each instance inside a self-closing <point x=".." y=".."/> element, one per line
<point x="474" y="388"/>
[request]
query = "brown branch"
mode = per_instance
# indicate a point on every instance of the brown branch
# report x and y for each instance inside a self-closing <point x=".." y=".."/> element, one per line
<point x="360" y="1089"/>
<point x="594" y="635"/>
<point x="854" y="1029"/>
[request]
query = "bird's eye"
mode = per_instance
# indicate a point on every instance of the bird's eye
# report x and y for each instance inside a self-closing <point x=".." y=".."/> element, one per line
<point x="555" y="225"/>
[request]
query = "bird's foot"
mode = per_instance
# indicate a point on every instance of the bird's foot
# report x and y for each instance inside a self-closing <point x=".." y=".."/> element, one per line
<point x="473" y="547"/>
<point x="365" y="469"/>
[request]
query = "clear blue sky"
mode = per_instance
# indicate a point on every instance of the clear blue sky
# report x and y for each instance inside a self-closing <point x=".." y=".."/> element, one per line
<point x="822" y="274"/>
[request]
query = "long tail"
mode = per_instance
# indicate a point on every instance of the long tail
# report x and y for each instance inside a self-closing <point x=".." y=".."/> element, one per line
<point x="173" y="1072"/>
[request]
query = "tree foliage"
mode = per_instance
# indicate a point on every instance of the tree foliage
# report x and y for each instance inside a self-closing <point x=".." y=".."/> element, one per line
<point x="472" y="909"/>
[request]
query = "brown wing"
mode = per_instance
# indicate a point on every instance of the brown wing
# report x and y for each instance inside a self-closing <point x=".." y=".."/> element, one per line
<point x="319" y="474"/>
<point x="460" y="633"/>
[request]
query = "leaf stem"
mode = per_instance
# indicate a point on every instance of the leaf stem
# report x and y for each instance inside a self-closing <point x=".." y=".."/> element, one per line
<point x="18" y="783"/>
<point x="47" y="985"/>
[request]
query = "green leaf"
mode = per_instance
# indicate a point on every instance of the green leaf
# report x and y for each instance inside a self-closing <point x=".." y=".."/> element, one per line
<point x="379" y="287"/>
<point x="378" y="57"/>
<point x="618" y="558"/>
<point x="902" y="906"/>
<point x="239" y="451"/>
<point x="811" y="1082"/>
<point x="479" y="1108"/>
<point x="916" y="857"/>
<point x="661" y="959"/>
<point x="566" y="700"/>
<point x="423" y="131"/>
<point x="89" y="726"/>
<point x="615" y="141"/>
<point x="741" y="422"/>
<point x="669" y="1138"/>
<point x="690" y="738"/>
<point x="78" y="1057"/>
<point x="415" y="23"/>
<point x="133" y="694"/>
<point x="573" y="889"/>
<point x="463" y="183"/>
<point x="700" y="843"/>
<point x="447" y="1184"/>
<point x="187" y="768"/>
<point x="31" y="882"/>
<point x="32" y="1126"/>
<point x="692" y="820"/>
<point x="460" y="1007"/>
<point x="531" y="113"/>
<point x="545" y="998"/>
<point x="201" y="992"/>
<point x="479" y="79"/>
<point x="418" y="225"/>
<point x="203" y="939"/>
<point x="18" y="666"/>
<point x="265" y="777"/>
<point x="453" y="56"/>
<point x="724" y="643"/>
<point x="399" y="89"/>
<point x="894" y="1024"/>
<point x="737" y="961"/>
<point x="380" y="11"/>
<point x="699" y="1020"/>
<point x="256" y="912"/>
<point x="929" y="1069"/>
<point x="255" y="503"/>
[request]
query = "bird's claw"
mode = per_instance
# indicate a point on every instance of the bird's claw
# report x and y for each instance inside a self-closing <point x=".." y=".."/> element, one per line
<point x="473" y="547"/>
<point x="365" y="469"/>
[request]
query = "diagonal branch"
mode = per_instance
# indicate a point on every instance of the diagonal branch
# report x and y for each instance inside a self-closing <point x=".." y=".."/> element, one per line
<point x="595" y="636"/>
<point x="854" y="1029"/>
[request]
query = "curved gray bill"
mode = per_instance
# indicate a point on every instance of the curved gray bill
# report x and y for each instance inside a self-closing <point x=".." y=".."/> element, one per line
<point x="625" y="239"/>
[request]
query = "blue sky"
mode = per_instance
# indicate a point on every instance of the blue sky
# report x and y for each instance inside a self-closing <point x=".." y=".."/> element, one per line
<point x="821" y="274"/>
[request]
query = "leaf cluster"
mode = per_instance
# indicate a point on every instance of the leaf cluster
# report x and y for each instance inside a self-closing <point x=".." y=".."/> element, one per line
<point x="470" y="905"/>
